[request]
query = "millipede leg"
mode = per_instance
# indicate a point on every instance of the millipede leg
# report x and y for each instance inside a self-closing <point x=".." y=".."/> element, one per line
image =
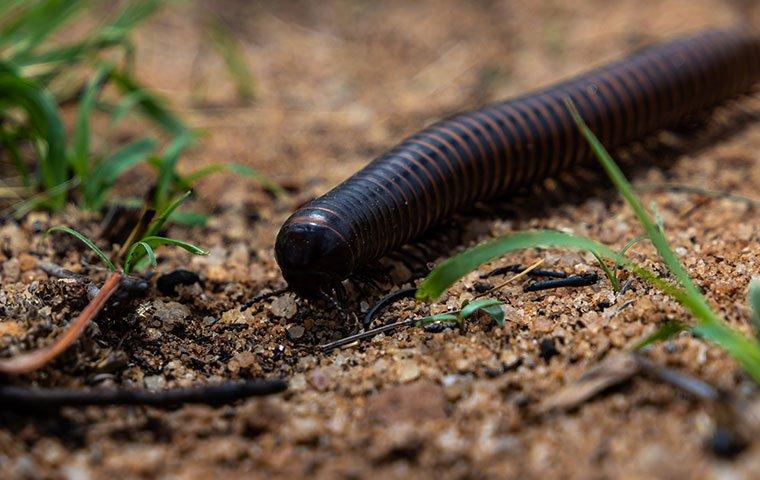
<point x="332" y="300"/>
<point x="385" y="302"/>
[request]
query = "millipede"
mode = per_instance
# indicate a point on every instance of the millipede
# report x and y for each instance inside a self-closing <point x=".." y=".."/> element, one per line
<point x="495" y="150"/>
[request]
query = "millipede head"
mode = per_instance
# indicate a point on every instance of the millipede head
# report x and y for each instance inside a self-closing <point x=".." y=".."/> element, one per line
<point x="312" y="256"/>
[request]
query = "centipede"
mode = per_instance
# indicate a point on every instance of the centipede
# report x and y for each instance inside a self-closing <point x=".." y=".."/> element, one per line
<point x="483" y="154"/>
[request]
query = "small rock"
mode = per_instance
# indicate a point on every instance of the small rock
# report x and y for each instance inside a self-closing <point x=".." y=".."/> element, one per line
<point x="26" y="262"/>
<point x="170" y="312"/>
<point x="154" y="382"/>
<point x="547" y="349"/>
<point x="408" y="370"/>
<point x="152" y="335"/>
<point x="320" y="379"/>
<point x="242" y="361"/>
<point x="543" y="324"/>
<point x="415" y="402"/>
<point x="295" y="332"/>
<point x="284" y="306"/>
<point x="11" y="328"/>
<point x="726" y="443"/>
<point x="12" y="238"/>
<point x="234" y="316"/>
<point x="304" y="430"/>
<point x="456" y="386"/>
<point x="11" y="270"/>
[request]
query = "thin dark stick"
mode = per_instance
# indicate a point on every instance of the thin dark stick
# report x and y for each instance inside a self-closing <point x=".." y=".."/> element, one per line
<point x="571" y="281"/>
<point x="128" y="283"/>
<point x="385" y="302"/>
<point x="21" y="398"/>
<point x="263" y="296"/>
<point x="694" y="386"/>
<point x="626" y="286"/>
<point x="369" y="333"/>
<point x="58" y="271"/>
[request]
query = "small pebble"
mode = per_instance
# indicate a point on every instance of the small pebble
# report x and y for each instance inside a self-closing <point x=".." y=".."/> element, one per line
<point x="284" y="306"/>
<point x="295" y="332"/>
<point x="154" y="382"/>
<point x="726" y="443"/>
<point x="408" y="370"/>
<point x="547" y="349"/>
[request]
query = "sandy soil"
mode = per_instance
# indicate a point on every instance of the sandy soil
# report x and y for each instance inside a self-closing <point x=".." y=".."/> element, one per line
<point x="338" y="82"/>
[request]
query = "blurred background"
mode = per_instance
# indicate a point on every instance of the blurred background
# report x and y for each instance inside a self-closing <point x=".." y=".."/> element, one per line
<point x="307" y="92"/>
<point x="336" y="82"/>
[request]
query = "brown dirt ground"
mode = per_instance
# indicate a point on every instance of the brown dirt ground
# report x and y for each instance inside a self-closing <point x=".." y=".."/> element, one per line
<point x="337" y="83"/>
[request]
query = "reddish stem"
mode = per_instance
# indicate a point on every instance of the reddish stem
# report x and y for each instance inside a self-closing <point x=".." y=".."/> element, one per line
<point x="30" y="361"/>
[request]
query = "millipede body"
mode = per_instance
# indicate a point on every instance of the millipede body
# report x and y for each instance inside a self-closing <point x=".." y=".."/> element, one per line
<point x="485" y="153"/>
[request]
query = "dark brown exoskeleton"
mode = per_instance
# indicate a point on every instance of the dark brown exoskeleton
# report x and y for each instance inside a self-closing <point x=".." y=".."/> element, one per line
<point x="486" y="153"/>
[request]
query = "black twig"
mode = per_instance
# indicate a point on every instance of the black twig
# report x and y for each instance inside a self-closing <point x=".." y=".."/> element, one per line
<point x="385" y="302"/>
<point x="23" y="398"/>
<point x="128" y="283"/>
<point x="694" y="386"/>
<point x="368" y="334"/>
<point x="571" y="281"/>
<point x="626" y="286"/>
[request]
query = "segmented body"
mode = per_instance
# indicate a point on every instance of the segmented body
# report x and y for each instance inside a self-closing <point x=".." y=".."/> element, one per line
<point x="485" y="153"/>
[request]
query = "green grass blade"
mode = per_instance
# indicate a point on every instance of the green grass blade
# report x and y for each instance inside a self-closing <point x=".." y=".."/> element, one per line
<point x="189" y="219"/>
<point x="8" y="7"/>
<point x="626" y="190"/>
<point x="20" y="209"/>
<point x="440" y="317"/>
<point x="449" y="271"/>
<point x="10" y="142"/>
<point x="37" y="24"/>
<point x="122" y="160"/>
<point x="754" y="303"/>
<point x="167" y="170"/>
<point x="489" y="306"/>
<point x="45" y="121"/>
<point x="133" y="13"/>
<point x="665" y="332"/>
<point x="89" y="243"/>
<point x="131" y="254"/>
<point x="495" y="312"/>
<point x="158" y="223"/>
<point x="106" y="173"/>
<point x="611" y="276"/>
<point x="126" y="105"/>
<point x="115" y="33"/>
<point x="223" y="40"/>
<point x="630" y="245"/>
<point x="156" y="242"/>
<point x="150" y="105"/>
<point x="80" y="157"/>
<point x="744" y="350"/>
